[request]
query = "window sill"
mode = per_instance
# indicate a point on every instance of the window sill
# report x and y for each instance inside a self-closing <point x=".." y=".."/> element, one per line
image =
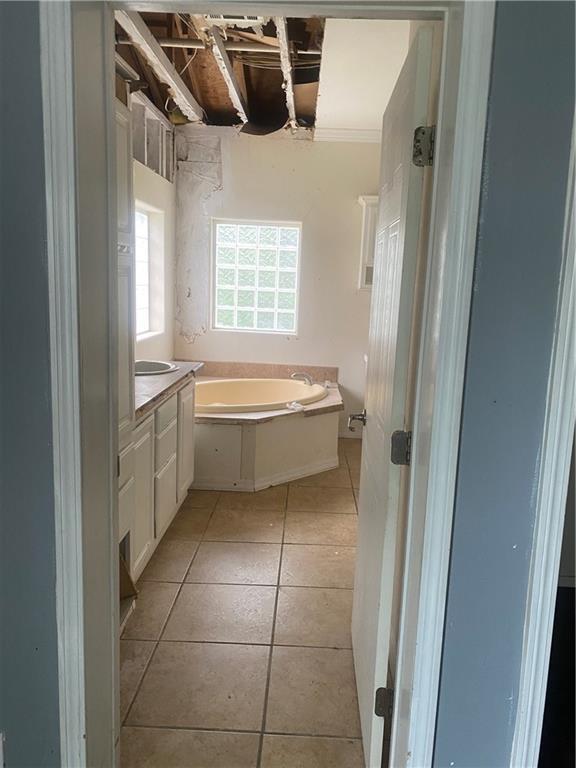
<point x="148" y="335"/>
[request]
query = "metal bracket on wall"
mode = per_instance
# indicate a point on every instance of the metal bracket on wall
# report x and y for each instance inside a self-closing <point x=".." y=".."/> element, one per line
<point x="423" y="145"/>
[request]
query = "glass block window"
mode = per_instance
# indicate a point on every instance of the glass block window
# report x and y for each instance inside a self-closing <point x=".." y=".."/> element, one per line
<point x="142" y="272"/>
<point x="256" y="276"/>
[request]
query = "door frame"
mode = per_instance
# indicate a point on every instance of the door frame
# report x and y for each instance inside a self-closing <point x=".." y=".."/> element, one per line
<point x="465" y="78"/>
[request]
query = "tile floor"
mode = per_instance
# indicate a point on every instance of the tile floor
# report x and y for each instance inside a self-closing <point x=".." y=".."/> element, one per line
<point x="238" y="654"/>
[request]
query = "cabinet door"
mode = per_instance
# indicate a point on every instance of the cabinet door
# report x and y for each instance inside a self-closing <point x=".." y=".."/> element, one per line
<point x="185" y="440"/>
<point x="142" y="534"/>
<point x="126" y="275"/>
<point x="126" y="490"/>
<point x="165" y="496"/>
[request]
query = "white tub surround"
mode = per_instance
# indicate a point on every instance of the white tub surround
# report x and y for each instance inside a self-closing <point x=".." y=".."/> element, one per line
<point x="252" y="450"/>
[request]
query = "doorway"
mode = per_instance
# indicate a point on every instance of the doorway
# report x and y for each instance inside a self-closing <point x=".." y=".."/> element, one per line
<point x="112" y="505"/>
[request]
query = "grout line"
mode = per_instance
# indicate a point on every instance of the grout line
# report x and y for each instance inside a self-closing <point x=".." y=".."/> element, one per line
<point x="274" y="616"/>
<point x="248" y="644"/>
<point x="199" y="729"/>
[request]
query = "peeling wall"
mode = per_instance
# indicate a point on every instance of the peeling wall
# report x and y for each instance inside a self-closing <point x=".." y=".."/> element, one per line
<point x="223" y="174"/>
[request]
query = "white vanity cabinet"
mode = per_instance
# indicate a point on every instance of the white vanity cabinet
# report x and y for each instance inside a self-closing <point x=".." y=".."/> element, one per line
<point x="185" y="440"/>
<point x="166" y="465"/>
<point x="142" y="531"/>
<point x="156" y="471"/>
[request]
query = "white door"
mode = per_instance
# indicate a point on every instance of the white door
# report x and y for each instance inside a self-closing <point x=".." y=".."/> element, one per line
<point x="387" y="404"/>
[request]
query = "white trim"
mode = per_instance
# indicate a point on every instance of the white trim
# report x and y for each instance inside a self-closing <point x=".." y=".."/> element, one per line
<point x="59" y="141"/>
<point x="360" y="135"/>
<point x="441" y="380"/>
<point x="265" y="482"/>
<point x="550" y="507"/>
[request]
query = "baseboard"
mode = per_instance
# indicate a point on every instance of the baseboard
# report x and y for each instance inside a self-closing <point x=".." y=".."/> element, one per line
<point x="261" y="483"/>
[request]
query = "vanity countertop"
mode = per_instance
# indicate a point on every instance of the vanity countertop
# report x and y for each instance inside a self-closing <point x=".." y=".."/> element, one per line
<point x="150" y="391"/>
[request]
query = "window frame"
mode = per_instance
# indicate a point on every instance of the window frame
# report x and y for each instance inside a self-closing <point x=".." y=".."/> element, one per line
<point x="142" y="334"/>
<point x="213" y="266"/>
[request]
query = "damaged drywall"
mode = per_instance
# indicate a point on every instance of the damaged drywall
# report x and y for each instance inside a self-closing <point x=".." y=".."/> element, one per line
<point x="198" y="185"/>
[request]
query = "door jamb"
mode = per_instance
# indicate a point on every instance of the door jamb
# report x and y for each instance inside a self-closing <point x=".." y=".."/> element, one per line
<point x="59" y="142"/>
<point x="550" y="505"/>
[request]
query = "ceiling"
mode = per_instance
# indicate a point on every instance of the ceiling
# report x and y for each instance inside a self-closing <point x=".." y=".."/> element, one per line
<point x="361" y="61"/>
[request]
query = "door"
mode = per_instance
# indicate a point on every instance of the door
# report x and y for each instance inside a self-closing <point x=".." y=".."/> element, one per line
<point x="185" y="440"/>
<point x="382" y="497"/>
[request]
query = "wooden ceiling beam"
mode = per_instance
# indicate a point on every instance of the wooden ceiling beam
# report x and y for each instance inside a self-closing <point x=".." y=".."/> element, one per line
<point x="225" y="66"/>
<point x="286" y="64"/>
<point x="135" y="27"/>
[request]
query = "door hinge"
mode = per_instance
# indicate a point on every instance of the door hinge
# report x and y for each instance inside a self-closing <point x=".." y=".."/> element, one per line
<point x="384" y="702"/>
<point x="401" y="447"/>
<point x="423" y="145"/>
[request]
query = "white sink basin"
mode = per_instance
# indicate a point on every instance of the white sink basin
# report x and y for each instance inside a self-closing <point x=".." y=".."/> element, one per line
<point x="153" y="367"/>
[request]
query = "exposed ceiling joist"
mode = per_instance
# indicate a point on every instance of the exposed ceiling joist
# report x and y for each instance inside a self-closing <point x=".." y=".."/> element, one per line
<point x="135" y="27"/>
<point x="225" y="65"/>
<point x="286" y="64"/>
<point x="246" y="46"/>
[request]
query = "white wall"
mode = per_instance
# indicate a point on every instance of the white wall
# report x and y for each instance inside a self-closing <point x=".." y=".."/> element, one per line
<point x="361" y="61"/>
<point x="159" y="195"/>
<point x="272" y="178"/>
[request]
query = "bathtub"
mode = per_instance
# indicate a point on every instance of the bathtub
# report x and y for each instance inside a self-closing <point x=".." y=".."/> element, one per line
<point x="251" y="395"/>
<point x="247" y="438"/>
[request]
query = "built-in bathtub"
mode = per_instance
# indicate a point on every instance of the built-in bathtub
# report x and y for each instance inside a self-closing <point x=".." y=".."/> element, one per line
<point x="254" y="433"/>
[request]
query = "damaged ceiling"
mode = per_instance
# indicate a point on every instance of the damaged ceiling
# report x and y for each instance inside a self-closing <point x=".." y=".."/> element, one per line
<point x="258" y="72"/>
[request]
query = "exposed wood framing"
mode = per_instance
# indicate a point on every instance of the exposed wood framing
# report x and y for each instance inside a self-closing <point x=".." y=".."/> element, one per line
<point x="225" y="66"/>
<point x="286" y="64"/>
<point x="135" y="27"/>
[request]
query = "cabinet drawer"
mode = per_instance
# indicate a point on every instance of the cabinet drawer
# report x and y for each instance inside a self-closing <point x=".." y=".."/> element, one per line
<point x="166" y="442"/>
<point x="166" y="413"/>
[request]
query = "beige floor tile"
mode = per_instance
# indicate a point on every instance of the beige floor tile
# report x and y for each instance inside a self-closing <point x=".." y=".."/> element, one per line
<point x="314" y="617"/>
<point x="152" y="608"/>
<point x="200" y="499"/>
<point x="222" y="613"/>
<point x="269" y="498"/>
<point x="354" y="464"/>
<point x="312" y="691"/>
<point x="310" y="752"/>
<point x="355" y="477"/>
<point x="320" y="528"/>
<point x="170" y="561"/>
<point x="134" y="656"/>
<point x="338" y="500"/>
<point x="168" y="748"/>
<point x="201" y="685"/>
<point x="316" y="566"/>
<point x="245" y="525"/>
<point x="333" y="478"/>
<point x="351" y="447"/>
<point x="235" y="563"/>
<point x="189" y="524"/>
